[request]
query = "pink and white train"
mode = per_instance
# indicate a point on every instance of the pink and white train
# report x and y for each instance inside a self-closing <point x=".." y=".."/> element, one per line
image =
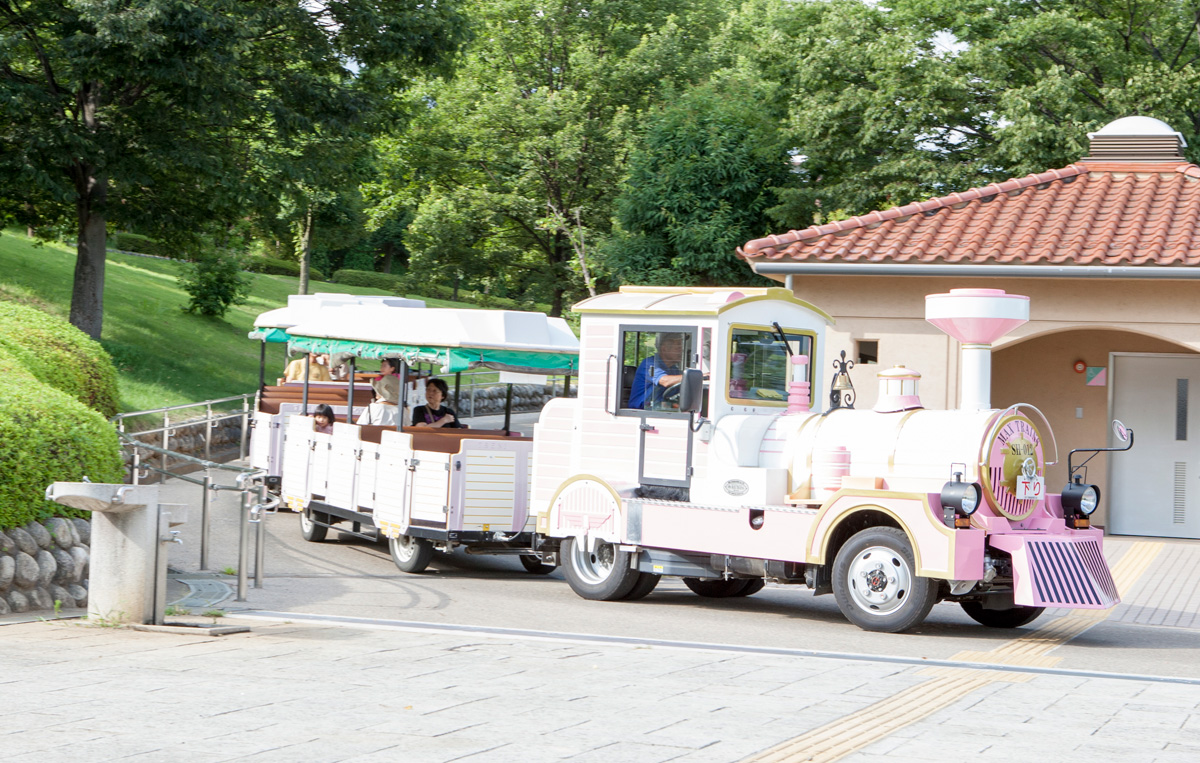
<point x="697" y="448"/>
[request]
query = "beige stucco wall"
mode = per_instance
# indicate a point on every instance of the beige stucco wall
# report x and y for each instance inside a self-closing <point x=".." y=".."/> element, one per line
<point x="1069" y="320"/>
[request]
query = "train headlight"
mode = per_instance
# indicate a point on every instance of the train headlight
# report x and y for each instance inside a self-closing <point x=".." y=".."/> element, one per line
<point x="961" y="497"/>
<point x="1078" y="498"/>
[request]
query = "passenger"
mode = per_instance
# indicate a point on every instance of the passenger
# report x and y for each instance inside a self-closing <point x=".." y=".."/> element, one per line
<point x="389" y="367"/>
<point x="323" y="419"/>
<point x="658" y="372"/>
<point x="433" y="413"/>
<point x="384" y="409"/>
<point x="317" y="369"/>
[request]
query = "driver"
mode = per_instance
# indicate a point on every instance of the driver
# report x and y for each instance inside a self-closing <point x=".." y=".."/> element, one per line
<point x="658" y="372"/>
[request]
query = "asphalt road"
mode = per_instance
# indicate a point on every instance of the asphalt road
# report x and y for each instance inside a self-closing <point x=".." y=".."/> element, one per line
<point x="349" y="577"/>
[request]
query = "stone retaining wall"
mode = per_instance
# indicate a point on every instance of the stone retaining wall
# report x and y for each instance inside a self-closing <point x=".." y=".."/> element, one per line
<point x="44" y="562"/>
<point x="490" y="400"/>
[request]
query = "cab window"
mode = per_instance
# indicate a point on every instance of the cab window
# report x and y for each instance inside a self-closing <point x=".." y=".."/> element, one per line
<point x="759" y="369"/>
<point x="653" y="359"/>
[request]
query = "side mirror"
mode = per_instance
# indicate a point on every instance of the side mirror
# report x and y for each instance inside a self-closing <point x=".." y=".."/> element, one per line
<point x="691" y="393"/>
<point x="1120" y="431"/>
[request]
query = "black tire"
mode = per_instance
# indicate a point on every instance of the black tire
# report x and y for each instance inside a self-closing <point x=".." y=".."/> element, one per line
<point x="876" y="584"/>
<point x="719" y="589"/>
<point x="410" y="554"/>
<point x="642" y="588"/>
<point x="602" y="575"/>
<point x="752" y="587"/>
<point x="1001" y="618"/>
<point x="309" y="529"/>
<point x="533" y="565"/>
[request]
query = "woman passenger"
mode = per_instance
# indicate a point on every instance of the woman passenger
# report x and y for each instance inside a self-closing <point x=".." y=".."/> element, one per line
<point x="433" y="413"/>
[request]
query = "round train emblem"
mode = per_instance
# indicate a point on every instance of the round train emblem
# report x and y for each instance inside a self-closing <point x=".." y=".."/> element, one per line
<point x="1014" y="472"/>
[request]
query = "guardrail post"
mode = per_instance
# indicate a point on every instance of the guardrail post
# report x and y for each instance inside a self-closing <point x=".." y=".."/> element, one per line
<point x="261" y="537"/>
<point x="208" y="430"/>
<point x="166" y="441"/>
<point x="243" y="544"/>
<point x="245" y="425"/>
<point x="204" y="505"/>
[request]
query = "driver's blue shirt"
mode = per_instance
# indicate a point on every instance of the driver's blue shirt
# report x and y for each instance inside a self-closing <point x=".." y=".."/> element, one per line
<point x="645" y="381"/>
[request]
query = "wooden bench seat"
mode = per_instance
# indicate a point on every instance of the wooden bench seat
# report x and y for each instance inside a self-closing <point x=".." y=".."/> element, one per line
<point x="438" y="441"/>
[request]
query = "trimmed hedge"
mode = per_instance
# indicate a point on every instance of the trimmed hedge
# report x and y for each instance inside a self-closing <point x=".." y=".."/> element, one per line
<point x="272" y="266"/>
<point x="59" y="355"/>
<point x="47" y="436"/>
<point x="369" y="279"/>
<point x="133" y="242"/>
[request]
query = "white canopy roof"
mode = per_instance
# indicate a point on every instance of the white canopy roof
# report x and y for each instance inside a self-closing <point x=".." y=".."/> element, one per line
<point x="303" y="307"/>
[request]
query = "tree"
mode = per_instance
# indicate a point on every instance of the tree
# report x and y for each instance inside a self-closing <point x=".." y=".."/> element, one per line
<point x="538" y="117"/>
<point x="926" y="97"/>
<point x="140" y="112"/>
<point x="699" y="184"/>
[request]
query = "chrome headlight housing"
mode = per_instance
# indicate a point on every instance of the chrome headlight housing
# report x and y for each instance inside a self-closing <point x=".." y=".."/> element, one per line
<point x="1079" y="498"/>
<point x="961" y="497"/>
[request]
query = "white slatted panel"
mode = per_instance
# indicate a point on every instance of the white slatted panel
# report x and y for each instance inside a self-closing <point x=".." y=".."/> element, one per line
<point x="260" y="442"/>
<point x="318" y="473"/>
<point x="294" y="485"/>
<point x="391" y="481"/>
<point x="430" y="486"/>
<point x="368" y="468"/>
<point x="343" y="466"/>
<point x="488" y="494"/>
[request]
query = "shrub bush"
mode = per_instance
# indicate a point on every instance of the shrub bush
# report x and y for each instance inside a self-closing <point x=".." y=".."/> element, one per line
<point x="274" y="267"/>
<point x="215" y="283"/>
<point x="47" y="436"/>
<point x="132" y="242"/>
<point x="369" y="279"/>
<point x="60" y="355"/>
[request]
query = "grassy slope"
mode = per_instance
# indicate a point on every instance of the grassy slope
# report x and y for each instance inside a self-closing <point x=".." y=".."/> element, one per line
<point x="164" y="356"/>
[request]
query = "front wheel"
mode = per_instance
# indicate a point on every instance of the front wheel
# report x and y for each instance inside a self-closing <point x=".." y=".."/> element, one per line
<point x="876" y="585"/>
<point x="410" y="554"/>
<point x="533" y="564"/>
<point x="602" y="574"/>
<point x="313" y="532"/>
<point x="1013" y="617"/>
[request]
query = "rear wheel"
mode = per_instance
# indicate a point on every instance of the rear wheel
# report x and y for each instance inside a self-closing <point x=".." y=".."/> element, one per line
<point x="410" y="554"/>
<point x="721" y="589"/>
<point x="876" y="585"/>
<point x="752" y="587"/>
<point x="313" y="532"/>
<point x="642" y="588"/>
<point x="600" y="574"/>
<point x="1014" y="617"/>
<point x="533" y="564"/>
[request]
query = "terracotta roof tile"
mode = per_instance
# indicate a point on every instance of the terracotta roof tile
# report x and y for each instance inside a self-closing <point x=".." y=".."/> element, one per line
<point x="1111" y="212"/>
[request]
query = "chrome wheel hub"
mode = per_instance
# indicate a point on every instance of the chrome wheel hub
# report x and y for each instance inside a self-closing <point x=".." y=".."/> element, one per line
<point x="879" y="580"/>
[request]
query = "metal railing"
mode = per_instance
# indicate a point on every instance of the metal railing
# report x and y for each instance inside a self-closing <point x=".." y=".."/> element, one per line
<point x="208" y="421"/>
<point x="256" y="502"/>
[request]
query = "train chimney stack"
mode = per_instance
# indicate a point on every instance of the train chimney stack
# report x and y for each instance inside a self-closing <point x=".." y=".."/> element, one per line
<point x="977" y="318"/>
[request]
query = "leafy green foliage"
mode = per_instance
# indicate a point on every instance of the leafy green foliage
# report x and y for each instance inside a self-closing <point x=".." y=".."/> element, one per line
<point x="154" y="114"/>
<point x="279" y="267"/>
<point x="536" y="121"/>
<point x="699" y="186"/>
<point x="57" y="354"/>
<point x="133" y="242"/>
<point x="385" y="281"/>
<point x="215" y="283"/>
<point x="45" y="436"/>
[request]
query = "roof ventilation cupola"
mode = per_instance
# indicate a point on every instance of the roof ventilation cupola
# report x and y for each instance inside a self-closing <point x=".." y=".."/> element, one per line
<point x="1136" y="139"/>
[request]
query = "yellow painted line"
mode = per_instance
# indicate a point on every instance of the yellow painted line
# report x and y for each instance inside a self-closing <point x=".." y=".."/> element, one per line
<point x="946" y="686"/>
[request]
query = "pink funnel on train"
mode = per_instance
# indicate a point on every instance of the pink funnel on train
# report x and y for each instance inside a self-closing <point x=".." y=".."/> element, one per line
<point x="976" y="318"/>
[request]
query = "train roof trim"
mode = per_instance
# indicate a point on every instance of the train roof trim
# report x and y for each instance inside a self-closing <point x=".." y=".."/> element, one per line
<point x="684" y="300"/>
<point x="455" y="338"/>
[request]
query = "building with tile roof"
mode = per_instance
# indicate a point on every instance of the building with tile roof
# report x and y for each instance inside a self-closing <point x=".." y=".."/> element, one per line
<point x="1106" y="248"/>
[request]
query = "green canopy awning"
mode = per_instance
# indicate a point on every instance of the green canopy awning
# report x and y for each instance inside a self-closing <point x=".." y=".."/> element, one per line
<point x="269" y="335"/>
<point x="451" y="359"/>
